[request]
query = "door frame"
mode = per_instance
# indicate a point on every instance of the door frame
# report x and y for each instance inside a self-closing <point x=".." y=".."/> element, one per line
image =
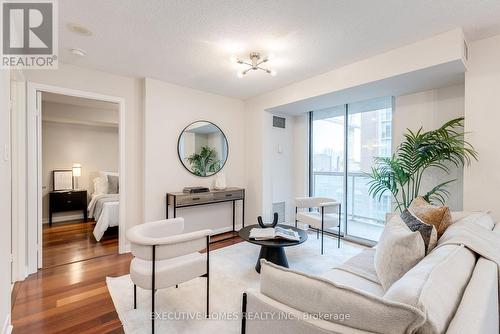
<point x="34" y="163"/>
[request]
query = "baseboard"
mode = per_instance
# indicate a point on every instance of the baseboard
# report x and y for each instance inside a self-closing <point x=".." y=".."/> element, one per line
<point x="7" y="327"/>
<point x="61" y="219"/>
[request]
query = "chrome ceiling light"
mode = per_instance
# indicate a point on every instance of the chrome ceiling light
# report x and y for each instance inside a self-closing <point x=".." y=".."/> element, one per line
<point x="254" y="64"/>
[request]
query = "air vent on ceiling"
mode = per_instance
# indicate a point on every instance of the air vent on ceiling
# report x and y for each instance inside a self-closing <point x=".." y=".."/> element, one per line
<point x="279" y="122"/>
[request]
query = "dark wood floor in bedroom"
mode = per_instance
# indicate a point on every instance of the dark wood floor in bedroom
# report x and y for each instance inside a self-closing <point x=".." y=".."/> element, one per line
<point x="74" y="241"/>
<point x="73" y="297"/>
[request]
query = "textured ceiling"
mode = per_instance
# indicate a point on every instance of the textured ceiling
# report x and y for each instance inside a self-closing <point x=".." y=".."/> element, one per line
<point x="189" y="42"/>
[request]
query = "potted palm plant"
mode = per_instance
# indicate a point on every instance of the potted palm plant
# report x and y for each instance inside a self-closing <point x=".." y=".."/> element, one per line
<point x="204" y="163"/>
<point x="402" y="173"/>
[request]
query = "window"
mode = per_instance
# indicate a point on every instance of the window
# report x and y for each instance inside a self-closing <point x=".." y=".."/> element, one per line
<point x="347" y="138"/>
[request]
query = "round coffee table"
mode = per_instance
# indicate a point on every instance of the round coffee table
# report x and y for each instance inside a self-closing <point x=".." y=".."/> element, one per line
<point x="272" y="250"/>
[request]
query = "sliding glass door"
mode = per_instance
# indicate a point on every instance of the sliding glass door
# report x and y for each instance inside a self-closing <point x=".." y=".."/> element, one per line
<point x="344" y="141"/>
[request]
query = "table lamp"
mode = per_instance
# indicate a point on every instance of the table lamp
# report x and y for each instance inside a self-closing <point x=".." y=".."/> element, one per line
<point x="77" y="171"/>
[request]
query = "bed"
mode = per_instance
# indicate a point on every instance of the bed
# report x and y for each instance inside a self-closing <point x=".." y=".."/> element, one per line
<point x="104" y="207"/>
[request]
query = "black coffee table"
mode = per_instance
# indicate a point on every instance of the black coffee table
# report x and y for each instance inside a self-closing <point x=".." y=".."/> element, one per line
<point x="272" y="250"/>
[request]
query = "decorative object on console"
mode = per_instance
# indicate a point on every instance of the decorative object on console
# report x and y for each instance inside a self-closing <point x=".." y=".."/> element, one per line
<point x="195" y="190"/>
<point x="402" y="173"/>
<point x="202" y="148"/>
<point x="220" y="181"/>
<point x="273" y="224"/>
<point x="77" y="172"/>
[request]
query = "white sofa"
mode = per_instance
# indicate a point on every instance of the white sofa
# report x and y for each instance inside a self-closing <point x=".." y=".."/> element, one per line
<point x="451" y="290"/>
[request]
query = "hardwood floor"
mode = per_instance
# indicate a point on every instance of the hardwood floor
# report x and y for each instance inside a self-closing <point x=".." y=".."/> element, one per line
<point x="73" y="298"/>
<point x="73" y="241"/>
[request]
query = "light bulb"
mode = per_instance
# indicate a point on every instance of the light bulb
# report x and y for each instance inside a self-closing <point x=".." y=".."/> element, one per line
<point x="239" y="74"/>
<point x="273" y="73"/>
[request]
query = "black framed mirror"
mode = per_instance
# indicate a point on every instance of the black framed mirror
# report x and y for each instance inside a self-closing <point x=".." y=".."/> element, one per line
<point x="203" y="148"/>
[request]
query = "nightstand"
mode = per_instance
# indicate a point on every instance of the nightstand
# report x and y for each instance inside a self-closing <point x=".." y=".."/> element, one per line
<point x="67" y="200"/>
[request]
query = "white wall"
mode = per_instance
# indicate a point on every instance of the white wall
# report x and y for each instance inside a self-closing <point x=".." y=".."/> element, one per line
<point x="482" y="114"/>
<point x="130" y="89"/>
<point x="430" y="109"/>
<point x="96" y="148"/>
<point x="5" y="201"/>
<point x="168" y="110"/>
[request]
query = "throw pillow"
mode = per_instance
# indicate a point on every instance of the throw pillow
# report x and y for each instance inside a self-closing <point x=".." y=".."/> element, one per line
<point x="398" y="250"/>
<point x="113" y="184"/>
<point x="100" y="186"/>
<point x="439" y="216"/>
<point x="428" y="232"/>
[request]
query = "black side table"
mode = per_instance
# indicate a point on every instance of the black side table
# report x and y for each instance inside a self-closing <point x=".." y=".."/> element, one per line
<point x="67" y="200"/>
<point x="272" y="250"/>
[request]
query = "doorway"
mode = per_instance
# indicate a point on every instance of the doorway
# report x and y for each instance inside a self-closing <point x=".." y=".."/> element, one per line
<point x="75" y="184"/>
<point x="79" y="153"/>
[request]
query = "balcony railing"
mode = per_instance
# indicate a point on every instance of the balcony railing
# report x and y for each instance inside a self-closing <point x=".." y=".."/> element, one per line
<point x="361" y="207"/>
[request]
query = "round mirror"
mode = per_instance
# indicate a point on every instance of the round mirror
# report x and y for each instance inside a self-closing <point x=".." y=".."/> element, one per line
<point x="202" y="148"/>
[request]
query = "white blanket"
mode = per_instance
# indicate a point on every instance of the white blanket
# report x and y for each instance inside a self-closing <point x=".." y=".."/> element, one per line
<point x="95" y="198"/>
<point x="109" y="217"/>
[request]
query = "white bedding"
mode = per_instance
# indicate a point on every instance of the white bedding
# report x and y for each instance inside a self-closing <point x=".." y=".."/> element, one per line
<point x="109" y="218"/>
<point x="109" y="215"/>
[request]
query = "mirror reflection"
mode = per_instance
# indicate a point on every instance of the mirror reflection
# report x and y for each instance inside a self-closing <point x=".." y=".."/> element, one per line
<point x="203" y="148"/>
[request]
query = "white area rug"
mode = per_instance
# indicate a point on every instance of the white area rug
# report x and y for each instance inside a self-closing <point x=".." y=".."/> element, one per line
<point x="231" y="272"/>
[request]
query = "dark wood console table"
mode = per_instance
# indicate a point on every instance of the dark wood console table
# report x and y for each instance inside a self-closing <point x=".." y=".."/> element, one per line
<point x="177" y="200"/>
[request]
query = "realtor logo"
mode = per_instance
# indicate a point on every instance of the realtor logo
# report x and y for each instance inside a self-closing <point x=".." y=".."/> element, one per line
<point x="29" y="34"/>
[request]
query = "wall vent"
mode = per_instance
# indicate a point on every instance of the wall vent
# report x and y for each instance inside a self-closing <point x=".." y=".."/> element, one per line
<point x="279" y="122"/>
<point x="280" y="209"/>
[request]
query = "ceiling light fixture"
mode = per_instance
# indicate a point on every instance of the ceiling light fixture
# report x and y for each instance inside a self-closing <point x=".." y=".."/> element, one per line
<point x="254" y="64"/>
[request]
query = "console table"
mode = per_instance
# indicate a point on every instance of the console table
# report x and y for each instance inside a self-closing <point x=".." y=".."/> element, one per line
<point x="178" y="200"/>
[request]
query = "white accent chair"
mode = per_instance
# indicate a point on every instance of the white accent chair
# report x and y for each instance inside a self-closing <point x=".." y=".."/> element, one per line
<point x="327" y="214"/>
<point x="164" y="256"/>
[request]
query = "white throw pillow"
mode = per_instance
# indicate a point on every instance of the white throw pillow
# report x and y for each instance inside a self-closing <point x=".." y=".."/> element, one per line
<point x="104" y="176"/>
<point x="100" y="186"/>
<point x="398" y="250"/>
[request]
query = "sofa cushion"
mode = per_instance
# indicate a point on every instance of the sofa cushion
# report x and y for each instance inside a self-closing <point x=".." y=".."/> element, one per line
<point x="342" y="277"/>
<point x="398" y="250"/>
<point x="436" y="285"/>
<point x="315" y="295"/>
<point x="482" y="218"/>
<point x="439" y="216"/>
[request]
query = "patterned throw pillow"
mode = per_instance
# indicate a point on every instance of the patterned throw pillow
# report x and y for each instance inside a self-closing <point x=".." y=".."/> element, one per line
<point x="427" y="231"/>
<point x="439" y="216"/>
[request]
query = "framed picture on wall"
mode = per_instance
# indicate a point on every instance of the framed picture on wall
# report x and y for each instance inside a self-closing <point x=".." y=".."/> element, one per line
<point x="62" y="179"/>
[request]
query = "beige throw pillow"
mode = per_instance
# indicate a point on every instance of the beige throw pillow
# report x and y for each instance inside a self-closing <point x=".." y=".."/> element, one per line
<point x="398" y="250"/>
<point x="438" y="216"/>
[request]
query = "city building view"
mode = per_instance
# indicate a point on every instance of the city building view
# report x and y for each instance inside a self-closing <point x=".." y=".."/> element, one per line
<point x="369" y="135"/>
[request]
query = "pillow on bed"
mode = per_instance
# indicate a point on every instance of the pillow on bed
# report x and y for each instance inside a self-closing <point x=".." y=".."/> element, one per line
<point x="104" y="176"/>
<point x="100" y="186"/>
<point x="113" y="184"/>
